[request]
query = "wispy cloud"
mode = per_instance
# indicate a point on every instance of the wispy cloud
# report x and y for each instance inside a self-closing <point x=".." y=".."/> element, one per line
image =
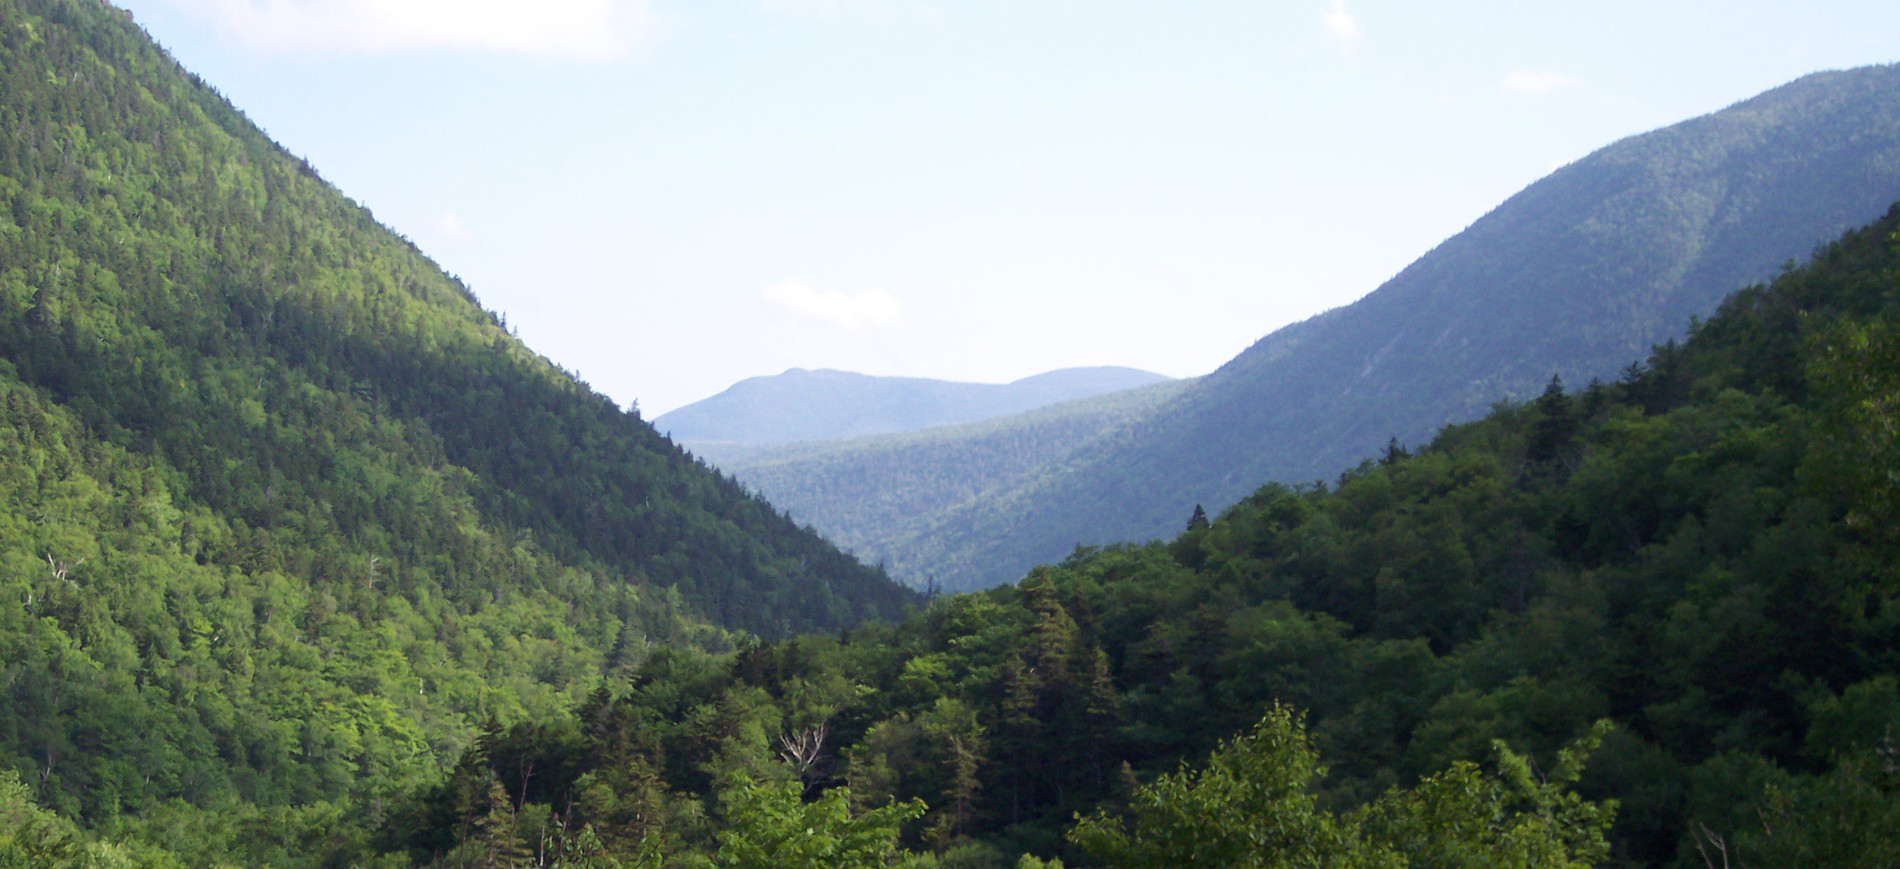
<point x="1340" y="21"/>
<point x="452" y="228"/>
<point x="819" y="7"/>
<point x="837" y="7"/>
<point x="582" y="29"/>
<point x="1529" y="81"/>
<point x="846" y="310"/>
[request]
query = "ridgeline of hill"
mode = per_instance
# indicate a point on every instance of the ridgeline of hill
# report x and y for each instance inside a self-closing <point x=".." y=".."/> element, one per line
<point x="1576" y="275"/>
<point x="802" y="405"/>
<point x="284" y="514"/>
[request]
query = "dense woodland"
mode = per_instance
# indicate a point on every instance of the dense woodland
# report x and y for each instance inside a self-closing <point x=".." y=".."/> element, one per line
<point x="286" y="581"/>
<point x="287" y="516"/>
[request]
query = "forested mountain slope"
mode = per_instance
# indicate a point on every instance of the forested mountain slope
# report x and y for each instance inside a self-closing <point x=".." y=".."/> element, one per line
<point x="1575" y="275"/>
<point x="283" y="512"/>
<point x="875" y="496"/>
<point x="802" y="405"/>
<point x="1704" y="553"/>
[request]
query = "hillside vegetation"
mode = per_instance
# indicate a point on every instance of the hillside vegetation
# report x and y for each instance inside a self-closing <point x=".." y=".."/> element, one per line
<point x="1576" y="275"/>
<point x="286" y="515"/>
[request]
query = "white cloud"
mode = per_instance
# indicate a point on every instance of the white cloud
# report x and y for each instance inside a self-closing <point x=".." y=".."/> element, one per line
<point x="830" y="8"/>
<point x="1340" y="21"/>
<point x="1528" y="81"/>
<point x="452" y="228"/>
<point x="588" y="29"/>
<point x="812" y="7"/>
<point x="846" y="310"/>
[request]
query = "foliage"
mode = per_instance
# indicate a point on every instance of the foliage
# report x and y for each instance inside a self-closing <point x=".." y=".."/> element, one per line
<point x="1253" y="805"/>
<point x="33" y="838"/>
<point x="284" y="514"/>
<point x="1847" y="818"/>
<point x="1518" y="819"/>
<point x="772" y="828"/>
<point x="1250" y="806"/>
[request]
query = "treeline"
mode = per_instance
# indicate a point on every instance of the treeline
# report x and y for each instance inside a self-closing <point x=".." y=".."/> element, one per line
<point x="1702" y="554"/>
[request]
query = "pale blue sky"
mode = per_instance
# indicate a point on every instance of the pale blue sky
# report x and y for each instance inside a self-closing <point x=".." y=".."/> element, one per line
<point x="669" y="197"/>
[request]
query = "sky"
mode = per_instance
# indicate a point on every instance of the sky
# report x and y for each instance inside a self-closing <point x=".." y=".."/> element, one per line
<point x="668" y="197"/>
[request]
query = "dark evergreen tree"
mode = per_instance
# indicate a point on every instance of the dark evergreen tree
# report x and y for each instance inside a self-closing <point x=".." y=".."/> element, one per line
<point x="1555" y="424"/>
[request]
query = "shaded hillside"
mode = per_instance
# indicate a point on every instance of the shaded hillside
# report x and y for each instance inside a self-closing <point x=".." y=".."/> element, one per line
<point x="875" y="495"/>
<point x="285" y="512"/>
<point x="1575" y="275"/>
<point x="802" y="405"/>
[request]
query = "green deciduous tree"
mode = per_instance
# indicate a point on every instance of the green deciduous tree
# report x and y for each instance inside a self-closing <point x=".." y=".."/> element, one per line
<point x="1253" y="805"/>
<point x="770" y="827"/>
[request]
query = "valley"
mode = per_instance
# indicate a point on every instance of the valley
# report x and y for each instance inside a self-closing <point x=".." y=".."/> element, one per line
<point x="1571" y="545"/>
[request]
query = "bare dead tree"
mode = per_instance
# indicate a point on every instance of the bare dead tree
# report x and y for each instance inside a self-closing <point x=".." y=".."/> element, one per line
<point x="62" y="570"/>
<point x="1705" y="839"/>
<point x="805" y="751"/>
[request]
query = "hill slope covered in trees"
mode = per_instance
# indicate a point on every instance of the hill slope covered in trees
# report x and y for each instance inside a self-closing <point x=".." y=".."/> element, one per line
<point x="284" y="514"/>
<point x="1576" y="275"/>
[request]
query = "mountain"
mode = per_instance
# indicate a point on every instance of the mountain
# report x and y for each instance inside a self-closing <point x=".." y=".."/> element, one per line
<point x="802" y="405"/>
<point x="1575" y="276"/>
<point x="876" y="495"/>
<point x="286" y="514"/>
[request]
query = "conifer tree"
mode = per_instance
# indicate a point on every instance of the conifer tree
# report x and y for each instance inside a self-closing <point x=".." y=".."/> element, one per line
<point x="1555" y="424"/>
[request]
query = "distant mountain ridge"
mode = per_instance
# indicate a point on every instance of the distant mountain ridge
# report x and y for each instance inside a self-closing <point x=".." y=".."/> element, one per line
<point x="823" y="404"/>
<point x="1576" y="275"/>
<point x="883" y="488"/>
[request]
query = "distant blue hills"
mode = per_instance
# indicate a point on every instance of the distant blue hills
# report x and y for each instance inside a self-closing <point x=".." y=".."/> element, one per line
<point x="823" y="404"/>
